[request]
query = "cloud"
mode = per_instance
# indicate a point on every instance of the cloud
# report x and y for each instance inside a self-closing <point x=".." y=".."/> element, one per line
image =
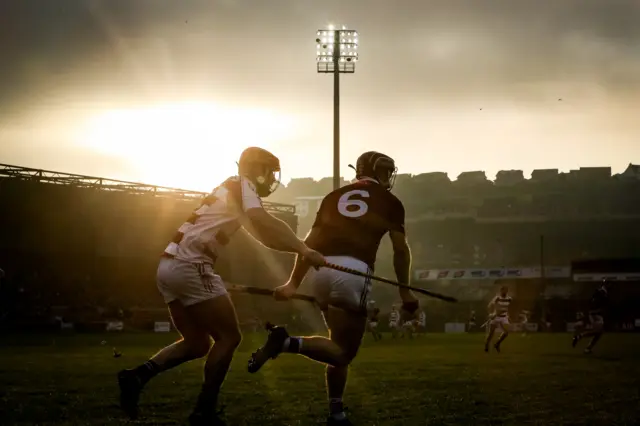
<point x="412" y="51"/>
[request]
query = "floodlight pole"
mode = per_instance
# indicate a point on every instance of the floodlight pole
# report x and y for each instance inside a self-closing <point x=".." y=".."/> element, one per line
<point x="336" y="111"/>
<point x="336" y="54"/>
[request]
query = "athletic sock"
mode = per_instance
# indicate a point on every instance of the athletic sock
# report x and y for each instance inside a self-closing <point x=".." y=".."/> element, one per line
<point x="501" y="339"/>
<point x="207" y="400"/>
<point x="336" y="409"/>
<point x="292" y="345"/>
<point x="147" y="371"/>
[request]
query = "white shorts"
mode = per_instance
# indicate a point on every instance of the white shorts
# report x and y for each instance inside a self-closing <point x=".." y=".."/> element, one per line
<point x="596" y="320"/>
<point x="501" y="322"/>
<point x="373" y="324"/>
<point x="190" y="283"/>
<point x="393" y="324"/>
<point x="341" y="289"/>
<point x="422" y="324"/>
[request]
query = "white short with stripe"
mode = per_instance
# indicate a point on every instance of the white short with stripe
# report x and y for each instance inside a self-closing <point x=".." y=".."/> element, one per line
<point x="596" y="320"/>
<point x="341" y="289"/>
<point x="500" y="321"/>
<point x="188" y="282"/>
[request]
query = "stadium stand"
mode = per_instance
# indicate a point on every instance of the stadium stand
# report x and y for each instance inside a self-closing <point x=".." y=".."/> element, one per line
<point x="83" y="249"/>
<point x="91" y="244"/>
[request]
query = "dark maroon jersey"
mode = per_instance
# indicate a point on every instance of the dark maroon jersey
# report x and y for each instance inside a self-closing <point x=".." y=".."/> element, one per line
<point x="353" y="219"/>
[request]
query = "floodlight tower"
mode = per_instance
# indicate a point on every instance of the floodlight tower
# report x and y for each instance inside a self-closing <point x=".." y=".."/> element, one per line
<point x="336" y="52"/>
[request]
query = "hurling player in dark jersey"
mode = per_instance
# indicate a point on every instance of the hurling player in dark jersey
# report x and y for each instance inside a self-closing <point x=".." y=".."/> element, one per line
<point x="349" y="225"/>
<point x="597" y="307"/>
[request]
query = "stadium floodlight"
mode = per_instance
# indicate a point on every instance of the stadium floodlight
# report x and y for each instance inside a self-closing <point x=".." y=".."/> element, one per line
<point x="336" y="53"/>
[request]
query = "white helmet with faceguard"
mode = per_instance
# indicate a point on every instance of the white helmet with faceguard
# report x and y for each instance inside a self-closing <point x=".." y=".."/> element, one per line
<point x="262" y="168"/>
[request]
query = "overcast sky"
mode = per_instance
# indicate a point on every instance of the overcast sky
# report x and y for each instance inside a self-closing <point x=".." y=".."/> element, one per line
<point x="169" y="92"/>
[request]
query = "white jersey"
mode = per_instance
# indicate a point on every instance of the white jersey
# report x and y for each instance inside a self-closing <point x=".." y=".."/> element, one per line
<point x="422" y="319"/>
<point x="501" y="305"/>
<point x="394" y="317"/>
<point x="211" y="225"/>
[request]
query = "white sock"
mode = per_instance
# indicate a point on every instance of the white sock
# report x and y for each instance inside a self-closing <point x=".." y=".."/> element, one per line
<point x="339" y="416"/>
<point x="287" y="343"/>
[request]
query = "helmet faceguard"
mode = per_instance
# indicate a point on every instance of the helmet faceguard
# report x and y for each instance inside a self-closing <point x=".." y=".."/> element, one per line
<point x="376" y="166"/>
<point x="262" y="168"/>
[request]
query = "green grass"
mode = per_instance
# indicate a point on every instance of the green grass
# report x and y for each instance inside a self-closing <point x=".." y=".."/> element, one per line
<point x="436" y="379"/>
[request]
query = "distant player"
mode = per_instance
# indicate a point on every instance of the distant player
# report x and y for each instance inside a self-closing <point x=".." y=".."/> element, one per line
<point x="372" y="322"/>
<point x="348" y="229"/>
<point x="597" y="307"/>
<point x="499" y="318"/>
<point x="198" y="302"/>
<point x="408" y="326"/>
<point x="524" y="321"/>
<point x="421" y="322"/>
<point x="471" y="324"/>
<point x="580" y="324"/>
<point x="394" y="321"/>
<point x="548" y="321"/>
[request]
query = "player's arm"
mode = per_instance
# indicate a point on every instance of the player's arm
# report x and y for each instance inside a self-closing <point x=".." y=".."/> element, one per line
<point x="492" y="304"/>
<point x="267" y="229"/>
<point x="401" y="256"/>
<point x="301" y="266"/>
<point x="273" y="232"/>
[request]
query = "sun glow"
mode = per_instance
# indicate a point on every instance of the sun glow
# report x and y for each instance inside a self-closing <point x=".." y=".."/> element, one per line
<point x="187" y="145"/>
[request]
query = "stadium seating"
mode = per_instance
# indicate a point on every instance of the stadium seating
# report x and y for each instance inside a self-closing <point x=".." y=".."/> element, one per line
<point x="73" y="241"/>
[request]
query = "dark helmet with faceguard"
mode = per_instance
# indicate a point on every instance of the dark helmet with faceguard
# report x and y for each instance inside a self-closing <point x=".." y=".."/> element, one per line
<point x="376" y="166"/>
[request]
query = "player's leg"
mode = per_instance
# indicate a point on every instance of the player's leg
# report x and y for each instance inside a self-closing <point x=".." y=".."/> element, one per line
<point x="409" y="329"/>
<point x="491" y="329"/>
<point x="218" y="317"/>
<point x="346" y="330"/>
<point x="504" y="325"/>
<point x="577" y="333"/>
<point x="194" y="342"/>
<point x="373" y="328"/>
<point x="317" y="348"/>
<point x="598" y="329"/>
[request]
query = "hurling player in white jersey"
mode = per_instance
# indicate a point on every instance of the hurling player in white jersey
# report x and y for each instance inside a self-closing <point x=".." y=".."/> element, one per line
<point x="499" y="318"/>
<point x="421" y="324"/>
<point x="394" y="321"/>
<point x="524" y="321"/>
<point x="198" y="302"/>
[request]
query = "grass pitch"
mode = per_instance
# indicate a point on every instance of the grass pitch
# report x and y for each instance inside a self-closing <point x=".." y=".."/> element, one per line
<point x="435" y="379"/>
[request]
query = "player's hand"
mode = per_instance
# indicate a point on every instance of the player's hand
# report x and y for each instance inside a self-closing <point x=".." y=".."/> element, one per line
<point x="314" y="258"/>
<point x="284" y="292"/>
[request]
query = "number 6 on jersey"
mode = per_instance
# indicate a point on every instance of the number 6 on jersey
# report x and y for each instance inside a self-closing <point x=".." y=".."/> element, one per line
<point x="350" y="206"/>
